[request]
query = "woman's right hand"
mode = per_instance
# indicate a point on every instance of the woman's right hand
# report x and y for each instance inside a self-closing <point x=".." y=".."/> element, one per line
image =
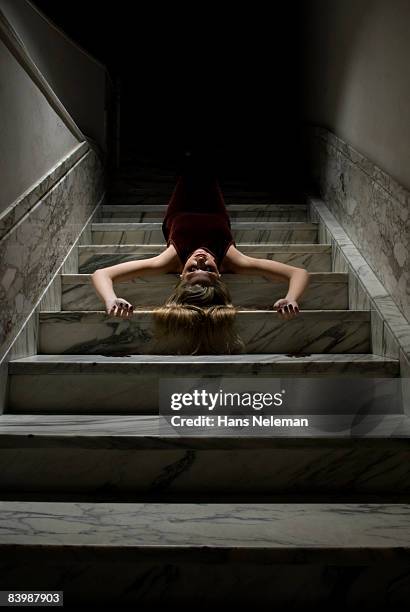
<point x="119" y="307"/>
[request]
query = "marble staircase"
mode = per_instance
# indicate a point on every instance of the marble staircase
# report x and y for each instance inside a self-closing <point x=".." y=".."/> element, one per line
<point x="100" y="501"/>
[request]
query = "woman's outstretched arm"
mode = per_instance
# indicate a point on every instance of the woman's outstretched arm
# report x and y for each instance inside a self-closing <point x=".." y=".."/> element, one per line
<point x="298" y="278"/>
<point x="103" y="280"/>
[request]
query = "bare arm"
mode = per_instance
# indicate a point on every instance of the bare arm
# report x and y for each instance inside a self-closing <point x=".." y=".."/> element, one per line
<point x="103" y="280"/>
<point x="274" y="270"/>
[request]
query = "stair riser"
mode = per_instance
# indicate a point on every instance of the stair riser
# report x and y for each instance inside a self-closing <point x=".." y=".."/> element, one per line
<point x="250" y="235"/>
<point x="313" y="262"/>
<point x="248" y="217"/>
<point x="154" y="198"/>
<point x="161" y="197"/>
<point x="78" y="333"/>
<point x="161" y="194"/>
<point x="137" y="187"/>
<point x="114" y="393"/>
<point x="87" y="469"/>
<point x="240" y="212"/>
<point x="259" y="581"/>
<point x="252" y="208"/>
<point x="258" y="294"/>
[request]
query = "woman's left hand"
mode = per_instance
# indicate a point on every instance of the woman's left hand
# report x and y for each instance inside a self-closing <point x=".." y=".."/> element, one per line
<point x="286" y="309"/>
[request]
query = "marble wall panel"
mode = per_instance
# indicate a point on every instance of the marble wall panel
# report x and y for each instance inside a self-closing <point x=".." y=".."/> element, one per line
<point x="390" y="330"/>
<point x="371" y="206"/>
<point x="23" y="205"/>
<point x="32" y="251"/>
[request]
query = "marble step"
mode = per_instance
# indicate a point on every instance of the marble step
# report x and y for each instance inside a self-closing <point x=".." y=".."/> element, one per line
<point x="238" y="212"/>
<point x="326" y="291"/>
<point x="255" y="232"/>
<point x="99" y="384"/>
<point x="272" y="532"/>
<point x="118" y="455"/>
<point x="313" y="257"/>
<point x="199" y="555"/>
<point x="263" y="332"/>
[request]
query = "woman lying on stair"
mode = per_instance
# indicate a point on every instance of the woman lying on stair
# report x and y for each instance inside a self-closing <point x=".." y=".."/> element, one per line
<point x="198" y="317"/>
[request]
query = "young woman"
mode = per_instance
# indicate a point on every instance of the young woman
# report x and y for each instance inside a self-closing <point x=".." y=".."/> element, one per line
<point x="199" y="316"/>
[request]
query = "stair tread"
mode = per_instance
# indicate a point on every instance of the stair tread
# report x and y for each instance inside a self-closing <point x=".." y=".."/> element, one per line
<point x="340" y="315"/>
<point x="230" y="207"/>
<point x="369" y="530"/>
<point x="118" y="225"/>
<point x="193" y="359"/>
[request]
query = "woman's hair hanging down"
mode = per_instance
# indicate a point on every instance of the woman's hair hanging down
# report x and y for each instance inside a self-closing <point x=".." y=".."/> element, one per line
<point x="195" y="320"/>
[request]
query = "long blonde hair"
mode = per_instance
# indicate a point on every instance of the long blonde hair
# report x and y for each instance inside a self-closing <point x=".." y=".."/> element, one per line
<point x="196" y="319"/>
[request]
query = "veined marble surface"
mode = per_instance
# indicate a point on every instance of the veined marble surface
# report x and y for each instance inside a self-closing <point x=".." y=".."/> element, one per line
<point x="198" y="554"/>
<point x="193" y="365"/>
<point x="276" y="531"/>
<point x="257" y="232"/>
<point x="31" y="252"/>
<point x="326" y="291"/>
<point x="262" y="332"/>
<point x="128" y="455"/>
<point x="313" y="257"/>
<point x="390" y="329"/>
<point x="100" y="384"/>
<point x="371" y="206"/>
<point x="22" y="206"/>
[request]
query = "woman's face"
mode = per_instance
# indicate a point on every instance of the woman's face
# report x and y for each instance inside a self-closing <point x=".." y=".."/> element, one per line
<point x="200" y="267"/>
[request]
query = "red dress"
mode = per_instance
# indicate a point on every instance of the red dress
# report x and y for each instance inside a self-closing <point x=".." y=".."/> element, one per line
<point x="196" y="217"/>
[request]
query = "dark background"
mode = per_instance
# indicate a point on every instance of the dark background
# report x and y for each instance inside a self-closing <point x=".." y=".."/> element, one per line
<point x="230" y="84"/>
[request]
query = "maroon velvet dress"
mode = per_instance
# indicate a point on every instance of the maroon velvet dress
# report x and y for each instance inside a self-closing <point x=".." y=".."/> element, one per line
<point x="196" y="217"/>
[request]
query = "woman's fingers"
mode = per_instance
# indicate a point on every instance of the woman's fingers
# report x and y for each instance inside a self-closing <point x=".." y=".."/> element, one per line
<point x="288" y="311"/>
<point x="120" y="308"/>
<point x="124" y="310"/>
<point x="284" y="312"/>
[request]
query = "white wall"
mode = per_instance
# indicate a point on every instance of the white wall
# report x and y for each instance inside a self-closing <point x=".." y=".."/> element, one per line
<point x="358" y="77"/>
<point x="33" y="138"/>
<point x="77" y="79"/>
